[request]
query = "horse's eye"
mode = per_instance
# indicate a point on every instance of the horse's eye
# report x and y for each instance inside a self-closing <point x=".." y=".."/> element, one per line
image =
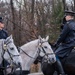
<point x="45" y="47"/>
<point x="12" y="48"/>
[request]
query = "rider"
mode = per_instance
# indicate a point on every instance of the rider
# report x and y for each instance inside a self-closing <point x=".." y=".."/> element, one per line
<point x="66" y="40"/>
<point x="3" y="33"/>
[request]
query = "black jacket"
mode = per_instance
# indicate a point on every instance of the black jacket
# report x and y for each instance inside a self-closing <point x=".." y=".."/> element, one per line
<point x="3" y="34"/>
<point x="67" y="39"/>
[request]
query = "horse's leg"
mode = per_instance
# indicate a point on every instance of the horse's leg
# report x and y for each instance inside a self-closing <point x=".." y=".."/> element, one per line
<point x="5" y="72"/>
<point x="1" y="72"/>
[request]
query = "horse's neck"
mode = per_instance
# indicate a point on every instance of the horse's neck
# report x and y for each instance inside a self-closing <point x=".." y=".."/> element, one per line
<point x="30" y="46"/>
<point x="1" y="43"/>
<point x="31" y="49"/>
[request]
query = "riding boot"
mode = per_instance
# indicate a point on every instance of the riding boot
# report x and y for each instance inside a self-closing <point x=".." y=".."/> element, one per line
<point x="59" y="67"/>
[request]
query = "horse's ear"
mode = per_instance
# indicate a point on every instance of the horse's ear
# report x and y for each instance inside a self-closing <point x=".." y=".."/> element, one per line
<point x="10" y="37"/>
<point x="47" y="38"/>
<point x="39" y="37"/>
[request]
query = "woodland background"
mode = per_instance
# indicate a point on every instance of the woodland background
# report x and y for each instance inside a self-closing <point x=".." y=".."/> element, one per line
<point x="27" y="19"/>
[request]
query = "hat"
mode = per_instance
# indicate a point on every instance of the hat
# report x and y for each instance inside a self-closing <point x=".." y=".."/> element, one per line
<point x="71" y="13"/>
<point x="1" y="19"/>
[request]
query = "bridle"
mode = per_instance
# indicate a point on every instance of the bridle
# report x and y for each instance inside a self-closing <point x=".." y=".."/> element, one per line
<point x="38" y="51"/>
<point x="5" y="49"/>
<point x="40" y="48"/>
<point x="25" y="53"/>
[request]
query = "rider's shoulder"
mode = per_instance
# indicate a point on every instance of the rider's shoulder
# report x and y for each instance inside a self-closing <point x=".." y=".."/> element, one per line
<point x="4" y="30"/>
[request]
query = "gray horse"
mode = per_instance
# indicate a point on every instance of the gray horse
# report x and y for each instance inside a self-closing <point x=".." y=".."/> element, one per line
<point x="30" y="51"/>
<point x="9" y="52"/>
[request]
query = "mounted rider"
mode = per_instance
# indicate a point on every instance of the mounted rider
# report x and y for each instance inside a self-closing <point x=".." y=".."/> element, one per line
<point x="3" y="35"/>
<point x="66" y="40"/>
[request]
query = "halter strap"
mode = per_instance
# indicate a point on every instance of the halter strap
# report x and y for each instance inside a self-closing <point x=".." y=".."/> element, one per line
<point x="40" y="46"/>
<point x="4" y="46"/>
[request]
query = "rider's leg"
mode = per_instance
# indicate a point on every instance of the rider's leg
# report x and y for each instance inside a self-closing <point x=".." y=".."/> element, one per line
<point x="59" y="66"/>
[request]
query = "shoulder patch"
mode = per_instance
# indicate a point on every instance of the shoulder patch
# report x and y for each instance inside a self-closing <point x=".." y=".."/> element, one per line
<point x="67" y="22"/>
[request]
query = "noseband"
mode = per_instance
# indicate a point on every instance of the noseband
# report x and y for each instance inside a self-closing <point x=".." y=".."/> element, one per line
<point x="40" y="47"/>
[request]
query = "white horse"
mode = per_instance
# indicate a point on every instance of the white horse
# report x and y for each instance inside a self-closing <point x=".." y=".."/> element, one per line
<point x="9" y="52"/>
<point x="30" y="51"/>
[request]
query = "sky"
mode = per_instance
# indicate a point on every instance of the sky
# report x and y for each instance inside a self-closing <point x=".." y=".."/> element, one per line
<point x="68" y="1"/>
<point x="9" y="0"/>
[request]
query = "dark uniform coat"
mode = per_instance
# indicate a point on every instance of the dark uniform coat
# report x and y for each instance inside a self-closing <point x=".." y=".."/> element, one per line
<point x="3" y="34"/>
<point x="66" y="39"/>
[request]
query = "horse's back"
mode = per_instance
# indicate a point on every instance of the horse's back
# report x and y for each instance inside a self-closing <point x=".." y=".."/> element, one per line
<point x="69" y="66"/>
<point x="71" y="58"/>
<point x="70" y="63"/>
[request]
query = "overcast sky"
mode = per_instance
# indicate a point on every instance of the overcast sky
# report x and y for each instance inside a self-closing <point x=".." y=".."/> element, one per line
<point x="9" y="0"/>
<point x="69" y="1"/>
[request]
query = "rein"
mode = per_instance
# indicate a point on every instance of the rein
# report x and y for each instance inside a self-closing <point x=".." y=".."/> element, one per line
<point x="26" y="53"/>
<point x="39" y="50"/>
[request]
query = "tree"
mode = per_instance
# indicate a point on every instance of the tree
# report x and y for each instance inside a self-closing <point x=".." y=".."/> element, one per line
<point x="64" y="4"/>
<point x="74" y="5"/>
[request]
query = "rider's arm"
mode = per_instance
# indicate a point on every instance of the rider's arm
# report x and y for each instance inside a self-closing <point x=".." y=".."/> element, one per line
<point x="63" y="34"/>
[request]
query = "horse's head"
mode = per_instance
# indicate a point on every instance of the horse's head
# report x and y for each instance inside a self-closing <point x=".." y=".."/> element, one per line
<point x="10" y="52"/>
<point x="45" y="50"/>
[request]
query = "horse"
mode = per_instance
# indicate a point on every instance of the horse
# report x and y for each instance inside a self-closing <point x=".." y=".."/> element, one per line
<point x="31" y="50"/>
<point x="68" y="64"/>
<point x="9" y="52"/>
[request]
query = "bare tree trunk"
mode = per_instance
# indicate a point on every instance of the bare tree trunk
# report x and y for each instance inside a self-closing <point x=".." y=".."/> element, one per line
<point x="20" y="28"/>
<point x="32" y="13"/>
<point x="74" y="5"/>
<point x="32" y="7"/>
<point x="33" y="28"/>
<point x="64" y="4"/>
<point x="14" y="31"/>
<point x="13" y="15"/>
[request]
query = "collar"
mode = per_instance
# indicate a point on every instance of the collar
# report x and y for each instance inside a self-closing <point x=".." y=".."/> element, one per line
<point x="70" y="20"/>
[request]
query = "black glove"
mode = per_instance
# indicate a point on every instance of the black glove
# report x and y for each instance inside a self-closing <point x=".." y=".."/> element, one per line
<point x="55" y="45"/>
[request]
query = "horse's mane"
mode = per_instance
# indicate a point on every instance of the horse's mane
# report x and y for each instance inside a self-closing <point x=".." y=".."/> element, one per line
<point x="30" y="43"/>
<point x="1" y="42"/>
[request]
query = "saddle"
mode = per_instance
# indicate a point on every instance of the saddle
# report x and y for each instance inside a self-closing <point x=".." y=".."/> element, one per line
<point x="69" y="59"/>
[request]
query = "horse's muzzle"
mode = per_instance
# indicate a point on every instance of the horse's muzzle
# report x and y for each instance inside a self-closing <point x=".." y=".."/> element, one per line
<point x="52" y="60"/>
